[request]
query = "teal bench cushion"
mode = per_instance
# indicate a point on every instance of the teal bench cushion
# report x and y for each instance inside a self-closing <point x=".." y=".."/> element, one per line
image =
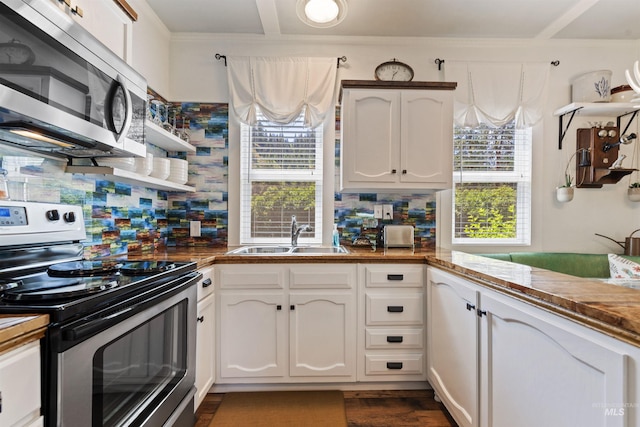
<point x="575" y="264"/>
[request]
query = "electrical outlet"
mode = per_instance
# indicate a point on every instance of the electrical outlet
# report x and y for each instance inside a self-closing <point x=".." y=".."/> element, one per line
<point x="377" y="211"/>
<point x="387" y="211"/>
<point x="194" y="228"/>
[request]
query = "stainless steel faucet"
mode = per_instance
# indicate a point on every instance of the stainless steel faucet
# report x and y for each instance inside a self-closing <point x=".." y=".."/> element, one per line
<point x="295" y="230"/>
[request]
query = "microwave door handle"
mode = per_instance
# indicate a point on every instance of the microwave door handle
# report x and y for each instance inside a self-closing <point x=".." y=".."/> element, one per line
<point x="128" y="110"/>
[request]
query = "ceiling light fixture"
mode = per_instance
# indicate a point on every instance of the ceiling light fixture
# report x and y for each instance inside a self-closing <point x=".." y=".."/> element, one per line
<point x="321" y="13"/>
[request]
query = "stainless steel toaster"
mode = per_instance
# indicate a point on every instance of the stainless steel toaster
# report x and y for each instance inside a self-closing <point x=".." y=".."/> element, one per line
<point x="398" y="236"/>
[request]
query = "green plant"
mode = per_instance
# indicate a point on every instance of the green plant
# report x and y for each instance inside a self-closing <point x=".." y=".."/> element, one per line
<point x="568" y="180"/>
<point x="634" y="185"/>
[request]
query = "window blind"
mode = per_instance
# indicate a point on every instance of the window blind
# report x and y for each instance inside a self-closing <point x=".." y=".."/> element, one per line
<point x="281" y="176"/>
<point x="492" y="185"/>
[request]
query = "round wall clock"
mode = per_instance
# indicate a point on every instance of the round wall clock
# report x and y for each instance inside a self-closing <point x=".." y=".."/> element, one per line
<point x="394" y="71"/>
<point x="15" y="52"/>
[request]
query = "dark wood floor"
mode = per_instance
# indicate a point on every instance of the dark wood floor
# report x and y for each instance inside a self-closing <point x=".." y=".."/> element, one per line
<point x="405" y="408"/>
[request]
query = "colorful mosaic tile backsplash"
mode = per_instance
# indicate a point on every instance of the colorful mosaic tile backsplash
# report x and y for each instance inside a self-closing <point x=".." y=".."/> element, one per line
<point x="122" y="218"/>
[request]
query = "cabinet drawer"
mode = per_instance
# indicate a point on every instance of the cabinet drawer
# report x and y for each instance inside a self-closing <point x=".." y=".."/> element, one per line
<point x="412" y="338"/>
<point x="327" y="276"/>
<point x="392" y="364"/>
<point x="259" y="276"/>
<point x="20" y="383"/>
<point x="399" y="275"/>
<point x="205" y="285"/>
<point x="386" y="309"/>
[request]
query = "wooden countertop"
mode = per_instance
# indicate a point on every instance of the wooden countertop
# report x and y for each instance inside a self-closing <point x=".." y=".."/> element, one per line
<point x="17" y="329"/>
<point x="609" y="308"/>
<point x="612" y="309"/>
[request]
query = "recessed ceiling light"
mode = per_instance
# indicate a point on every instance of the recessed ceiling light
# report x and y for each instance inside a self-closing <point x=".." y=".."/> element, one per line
<point x="321" y="13"/>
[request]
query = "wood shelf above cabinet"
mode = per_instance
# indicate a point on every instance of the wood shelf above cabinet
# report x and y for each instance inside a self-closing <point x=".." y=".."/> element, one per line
<point x="379" y="84"/>
<point x="165" y="140"/>
<point x="121" y="175"/>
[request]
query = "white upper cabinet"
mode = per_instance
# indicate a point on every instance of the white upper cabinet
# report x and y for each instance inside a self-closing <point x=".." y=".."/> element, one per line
<point x="396" y="136"/>
<point x="105" y="20"/>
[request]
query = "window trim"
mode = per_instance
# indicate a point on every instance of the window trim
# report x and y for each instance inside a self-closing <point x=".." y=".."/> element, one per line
<point x="523" y="179"/>
<point x="323" y="222"/>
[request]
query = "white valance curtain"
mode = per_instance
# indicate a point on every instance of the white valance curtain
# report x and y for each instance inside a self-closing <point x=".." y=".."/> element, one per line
<point x="495" y="93"/>
<point x="281" y="87"/>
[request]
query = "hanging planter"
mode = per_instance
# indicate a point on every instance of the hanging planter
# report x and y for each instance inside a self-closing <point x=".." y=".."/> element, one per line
<point x="565" y="194"/>
<point x="633" y="192"/>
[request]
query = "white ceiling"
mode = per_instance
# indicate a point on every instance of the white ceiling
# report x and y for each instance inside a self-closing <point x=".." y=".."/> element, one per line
<point x="514" y="19"/>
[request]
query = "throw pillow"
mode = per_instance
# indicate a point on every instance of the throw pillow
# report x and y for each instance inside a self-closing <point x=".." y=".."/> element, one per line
<point x="622" y="268"/>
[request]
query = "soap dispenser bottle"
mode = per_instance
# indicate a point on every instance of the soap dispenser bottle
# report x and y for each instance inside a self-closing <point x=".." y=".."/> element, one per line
<point x="336" y="235"/>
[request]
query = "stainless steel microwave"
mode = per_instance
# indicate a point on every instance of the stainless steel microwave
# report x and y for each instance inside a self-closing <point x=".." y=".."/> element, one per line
<point x="63" y="92"/>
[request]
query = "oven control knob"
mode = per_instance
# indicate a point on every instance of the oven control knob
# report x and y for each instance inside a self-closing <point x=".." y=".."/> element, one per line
<point x="69" y="217"/>
<point x="53" y="215"/>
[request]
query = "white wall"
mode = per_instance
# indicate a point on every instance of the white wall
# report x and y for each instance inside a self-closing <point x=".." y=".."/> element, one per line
<point x="195" y="75"/>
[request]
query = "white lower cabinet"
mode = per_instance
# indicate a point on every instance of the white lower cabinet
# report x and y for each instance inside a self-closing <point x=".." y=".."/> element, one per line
<point x="20" y="386"/>
<point x="280" y="323"/>
<point x="391" y="332"/>
<point x="499" y="362"/>
<point x="205" y="336"/>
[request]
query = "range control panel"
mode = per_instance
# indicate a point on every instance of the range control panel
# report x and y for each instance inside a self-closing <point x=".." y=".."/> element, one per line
<point x="27" y="223"/>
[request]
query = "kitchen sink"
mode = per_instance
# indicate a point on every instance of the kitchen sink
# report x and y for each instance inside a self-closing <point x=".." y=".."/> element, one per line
<point x="318" y="250"/>
<point x="288" y="250"/>
<point x="260" y="250"/>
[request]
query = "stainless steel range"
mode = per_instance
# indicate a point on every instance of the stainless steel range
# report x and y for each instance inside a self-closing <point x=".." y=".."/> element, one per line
<point x="120" y="348"/>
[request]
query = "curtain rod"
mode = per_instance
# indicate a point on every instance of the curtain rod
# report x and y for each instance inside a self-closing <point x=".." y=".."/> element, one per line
<point x="340" y="59"/>
<point x="439" y="63"/>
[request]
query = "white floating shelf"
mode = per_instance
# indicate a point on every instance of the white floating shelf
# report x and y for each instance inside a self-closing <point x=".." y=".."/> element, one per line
<point x="599" y="108"/>
<point x="165" y="140"/>
<point x="121" y="175"/>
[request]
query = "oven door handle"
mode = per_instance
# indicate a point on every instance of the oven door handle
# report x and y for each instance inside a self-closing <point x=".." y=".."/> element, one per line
<point x="90" y="328"/>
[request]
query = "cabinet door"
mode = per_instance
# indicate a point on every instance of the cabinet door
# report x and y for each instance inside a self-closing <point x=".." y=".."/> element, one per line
<point x="426" y="137"/>
<point x="205" y="348"/>
<point x="452" y="345"/>
<point x="370" y="138"/>
<point x="544" y="371"/>
<point x="253" y="339"/>
<point x="322" y="335"/>
<point x="20" y="385"/>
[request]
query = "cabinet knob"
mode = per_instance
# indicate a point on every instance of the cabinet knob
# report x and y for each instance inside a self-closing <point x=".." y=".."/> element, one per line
<point x="470" y="307"/>
<point x="292" y="307"/>
<point x="481" y="312"/>
<point x="278" y="307"/>
<point x="404" y="171"/>
<point x="78" y="11"/>
<point x="393" y="171"/>
<point x="201" y="319"/>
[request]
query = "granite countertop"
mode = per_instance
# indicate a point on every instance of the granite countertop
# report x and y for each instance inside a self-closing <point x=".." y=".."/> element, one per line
<point x="614" y="310"/>
<point x="17" y="329"/>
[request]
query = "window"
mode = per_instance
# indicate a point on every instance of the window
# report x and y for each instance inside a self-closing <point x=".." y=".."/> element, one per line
<point x="492" y="185"/>
<point x="281" y="176"/>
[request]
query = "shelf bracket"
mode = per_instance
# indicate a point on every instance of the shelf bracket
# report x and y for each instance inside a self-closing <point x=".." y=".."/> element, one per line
<point x="563" y="131"/>
<point x="633" y="116"/>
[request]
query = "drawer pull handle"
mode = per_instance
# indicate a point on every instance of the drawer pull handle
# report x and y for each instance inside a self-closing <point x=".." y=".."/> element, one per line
<point x="206" y="283"/>
<point x="395" y="276"/>
<point x="394" y="365"/>
<point x="394" y="338"/>
<point x="395" y="308"/>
